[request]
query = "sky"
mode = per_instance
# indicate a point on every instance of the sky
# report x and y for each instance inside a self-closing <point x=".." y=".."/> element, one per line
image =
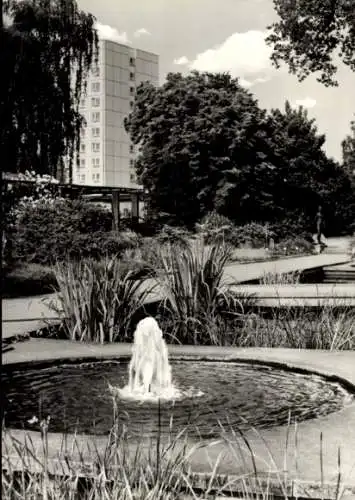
<point x="228" y="36"/>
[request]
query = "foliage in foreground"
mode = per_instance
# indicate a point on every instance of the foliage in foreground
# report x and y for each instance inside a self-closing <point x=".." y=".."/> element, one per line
<point x="155" y="469"/>
<point x="98" y="300"/>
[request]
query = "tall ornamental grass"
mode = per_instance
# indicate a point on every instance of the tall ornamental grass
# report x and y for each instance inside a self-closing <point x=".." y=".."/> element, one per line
<point x="199" y="308"/>
<point x="99" y="300"/>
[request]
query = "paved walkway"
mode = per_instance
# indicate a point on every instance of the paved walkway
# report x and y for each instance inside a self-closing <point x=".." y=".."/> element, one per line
<point x="26" y="314"/>
<point x="253" y="271"/>
<point x="21" y="315"/>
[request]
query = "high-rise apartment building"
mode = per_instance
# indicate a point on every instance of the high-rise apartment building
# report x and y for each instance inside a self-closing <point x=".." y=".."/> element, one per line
<point x="107" y="155"/>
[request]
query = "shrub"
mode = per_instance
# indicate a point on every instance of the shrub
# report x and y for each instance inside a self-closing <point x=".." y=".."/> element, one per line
<point x="290" y="228"/>
<point x="215" y="227"/>
<point x="293" y="246"/>
<point x="144" y="256"/>
<point x="214" y="220"/>
<point x="28" y="279"/>
<point x="173" y="235"/>
<point x="47" y="230"/>
<point x="98" y="300"/>
<point x="97" y="245"/>
<point x="252" y="234"/>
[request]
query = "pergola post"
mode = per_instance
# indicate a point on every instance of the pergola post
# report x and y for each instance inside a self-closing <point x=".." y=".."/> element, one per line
<point x="135" y="206"/>
<point x="116" y="209"/>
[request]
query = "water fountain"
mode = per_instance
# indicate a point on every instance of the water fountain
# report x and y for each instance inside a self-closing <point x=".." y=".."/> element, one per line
<point x="149" y="369"/>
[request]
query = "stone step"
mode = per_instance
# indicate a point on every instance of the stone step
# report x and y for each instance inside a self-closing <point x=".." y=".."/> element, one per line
<point x="348" y="271"/>
<point x="344" y="273"/>
<point x="347" y="276"/>
<point x="350" y="276"/>
<point x="339" y="280"/>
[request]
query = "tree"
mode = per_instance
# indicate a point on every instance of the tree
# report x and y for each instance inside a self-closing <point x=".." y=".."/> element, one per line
<point x="203" y="145"/>
<point x="307" y="178"/>
<point x="47" y="49"/>
<point x="310" y="32"/>
<point x="298" y="149"/>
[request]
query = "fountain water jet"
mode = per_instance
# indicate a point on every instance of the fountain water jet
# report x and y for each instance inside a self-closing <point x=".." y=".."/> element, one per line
<point x="149" y="369"/>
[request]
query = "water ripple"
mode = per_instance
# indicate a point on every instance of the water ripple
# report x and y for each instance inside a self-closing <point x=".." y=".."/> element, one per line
<point x="77" y="397"/>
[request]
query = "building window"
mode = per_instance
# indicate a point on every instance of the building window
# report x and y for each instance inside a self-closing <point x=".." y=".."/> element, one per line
<point x="131" y="104"/>
<point x="82" y="132"/>
<point x="95" y="162"/>
<point x="96" y="71"/>
<point x="95" y="102"/>
<point x="131" y="90"/>
<point x="95" y="117"/>
<point x="82" y="148"/>
<point x="82" y="102"/>
<point x="95" y="87"/>
<point x="82" y="178"/>
<point x="82" y="162"/>
<point x="131" y="162"/>
<point x="132" y="178"/>
<point x="95" y="132"/>
<point x="132" y="62"/>
<point x="95" y="147"/>
<point x="131" y="148"/>
<point x="95" y="177"/>
<point x="131" y="76"/>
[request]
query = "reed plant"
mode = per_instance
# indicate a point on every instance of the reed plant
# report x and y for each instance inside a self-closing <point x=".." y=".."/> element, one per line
<point x="98" y="300"/>
<point x="198" y="306"/>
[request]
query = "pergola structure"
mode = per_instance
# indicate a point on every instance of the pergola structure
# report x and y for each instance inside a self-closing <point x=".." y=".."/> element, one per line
<point x="113" y="194"/>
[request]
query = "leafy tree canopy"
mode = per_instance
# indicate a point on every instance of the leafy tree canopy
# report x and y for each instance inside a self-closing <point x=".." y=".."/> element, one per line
<point x="47" y="49"/>
<point x="200" y="135"/>
<point x="307" y="177"/>
<point x="206" y="145"/>
<point x="311" y="33"/>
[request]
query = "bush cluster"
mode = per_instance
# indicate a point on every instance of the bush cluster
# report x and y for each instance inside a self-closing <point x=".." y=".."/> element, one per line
<point x="173" y="236"/>
<point x="46" y="230"/>
<point x="27" y="280"/>
<point x="253" y="235"/>
<point x="293" y="246"/>
<point x="215" y="227"/>
<point x="292" y="228"/>
<point x="290" y="236"/>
